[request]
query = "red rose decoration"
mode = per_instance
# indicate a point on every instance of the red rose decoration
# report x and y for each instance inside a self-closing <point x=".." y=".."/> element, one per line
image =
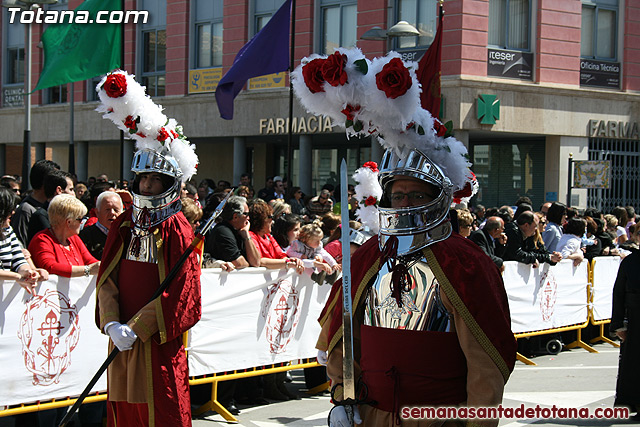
<point x="440" y="129"/>
<point x="333" y="69"/>
<point x="370" y="201"/>
<point x="312" y="73"/>
<point x="130" y="123"/>
<point x="394" y="79"/>
<point x="371" y="165"/>
<point x="115" y="86"/>
<point x="162" y="135"/>
<point x="141" y="135"/>
<point x="350" y="110"/>
<point x="174" y="134"/>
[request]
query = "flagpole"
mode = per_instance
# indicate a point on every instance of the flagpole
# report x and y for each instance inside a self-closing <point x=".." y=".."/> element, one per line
<point x="290" y="126"/>
<point x="26" y="140"/>
<point x="72" y="154"/>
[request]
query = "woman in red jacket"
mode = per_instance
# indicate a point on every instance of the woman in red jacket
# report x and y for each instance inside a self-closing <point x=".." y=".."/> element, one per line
<point x="58" y="249"/>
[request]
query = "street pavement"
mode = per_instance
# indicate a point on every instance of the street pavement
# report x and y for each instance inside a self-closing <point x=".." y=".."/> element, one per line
<point x="572" y="379"/>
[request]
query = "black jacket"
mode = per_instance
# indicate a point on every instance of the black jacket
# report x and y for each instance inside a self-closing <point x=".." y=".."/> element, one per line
<point x="489" y="246"/>
<point x="94" y="239"/>
<point x="524" y="250"/>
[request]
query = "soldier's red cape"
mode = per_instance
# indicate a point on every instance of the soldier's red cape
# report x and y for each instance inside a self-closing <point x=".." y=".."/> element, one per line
<point x="472" y="275"/>
<point x="180" y="308"/>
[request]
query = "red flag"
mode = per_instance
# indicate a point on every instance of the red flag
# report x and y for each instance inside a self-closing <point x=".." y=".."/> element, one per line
<point x="428" y="74"/>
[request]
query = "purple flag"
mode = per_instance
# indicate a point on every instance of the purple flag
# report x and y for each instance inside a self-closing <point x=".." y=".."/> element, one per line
<point x="266" y="53"/>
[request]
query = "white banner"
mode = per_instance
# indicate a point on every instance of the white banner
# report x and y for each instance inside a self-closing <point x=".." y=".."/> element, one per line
<point x="49" y="344"/>
<point x="255" y="317"/>
<point x="605" y="271"/>
<point x="546" y="297"/>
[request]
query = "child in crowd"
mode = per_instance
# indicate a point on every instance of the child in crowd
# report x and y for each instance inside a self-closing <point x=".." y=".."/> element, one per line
<point x="308" y="247"/>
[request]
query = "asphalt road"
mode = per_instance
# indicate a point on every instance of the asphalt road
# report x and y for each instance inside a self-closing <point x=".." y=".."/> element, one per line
<point x="573" y="379"/>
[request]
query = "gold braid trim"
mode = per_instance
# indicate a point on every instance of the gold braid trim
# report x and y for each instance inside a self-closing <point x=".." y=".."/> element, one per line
<point x="114" y="261"/>
<point x="471" y="323"/>
<point x="332" y="304"/>
<point x="137" y="321"/>
<point x="162" y="275"/>
<point x="373" y="270"/>
<point x="150" y="401"/>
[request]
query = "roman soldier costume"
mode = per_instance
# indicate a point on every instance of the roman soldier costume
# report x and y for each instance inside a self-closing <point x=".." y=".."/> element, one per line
<point x="431" y="324"/>
<point x="148" y="383"/>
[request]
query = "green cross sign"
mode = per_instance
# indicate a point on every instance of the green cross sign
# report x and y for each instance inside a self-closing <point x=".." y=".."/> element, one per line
<point x="488" y="109"/>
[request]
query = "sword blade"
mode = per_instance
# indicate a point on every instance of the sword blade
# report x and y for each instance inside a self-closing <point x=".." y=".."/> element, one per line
<point x="348" y="379"/>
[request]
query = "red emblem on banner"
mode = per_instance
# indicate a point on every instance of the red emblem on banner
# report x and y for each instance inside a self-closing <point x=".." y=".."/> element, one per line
<point x="49" y="331"/>
<point x="281" y="314"/>
<point x="548" y="295"/>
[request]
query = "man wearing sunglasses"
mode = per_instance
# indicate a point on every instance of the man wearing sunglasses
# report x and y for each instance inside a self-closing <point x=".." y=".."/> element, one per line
<point x="460" y="361"/>
<point x="230" y="240"/>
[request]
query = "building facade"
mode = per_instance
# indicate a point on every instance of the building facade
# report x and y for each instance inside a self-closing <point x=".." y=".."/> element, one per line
<point x="526" y="83"/>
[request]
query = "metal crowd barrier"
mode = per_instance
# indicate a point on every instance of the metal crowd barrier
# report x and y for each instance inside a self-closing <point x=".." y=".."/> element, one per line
<point x="214" y="405"/>
<point x="578" y="342"/>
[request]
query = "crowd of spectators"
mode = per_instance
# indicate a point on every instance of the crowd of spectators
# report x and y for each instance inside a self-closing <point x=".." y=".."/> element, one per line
<point x="554" y="232"/>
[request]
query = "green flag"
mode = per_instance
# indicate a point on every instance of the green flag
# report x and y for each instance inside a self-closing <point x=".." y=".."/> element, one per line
<point x="80" y="51"/>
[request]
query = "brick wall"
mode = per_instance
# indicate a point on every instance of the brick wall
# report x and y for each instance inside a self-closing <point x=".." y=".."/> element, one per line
<point x="630" y="57"/>
<point x="558" y="41"/>
<point x="464" y="37"/>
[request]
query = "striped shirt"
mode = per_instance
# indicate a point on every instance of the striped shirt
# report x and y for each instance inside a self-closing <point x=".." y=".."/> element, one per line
<point x="11" y="255"/>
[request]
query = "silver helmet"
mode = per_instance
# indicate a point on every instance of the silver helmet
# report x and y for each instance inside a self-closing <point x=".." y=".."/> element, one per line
<point x="151" y="210"/>
<point x="415" y="227"/>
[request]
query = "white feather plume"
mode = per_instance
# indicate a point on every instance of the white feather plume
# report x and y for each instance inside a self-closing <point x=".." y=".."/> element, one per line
<point x="135" y="105"/>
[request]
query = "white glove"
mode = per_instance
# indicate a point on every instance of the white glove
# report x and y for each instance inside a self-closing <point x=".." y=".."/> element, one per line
<point x="323" y="357"/>
<point x="122" y="335"/>
<point x="338" y="417"/>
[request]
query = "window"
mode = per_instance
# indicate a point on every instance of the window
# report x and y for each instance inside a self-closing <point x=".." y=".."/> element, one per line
<point x="55" y="95"/>
<point x="262" y="12"/>
<point x="422" y="14"/>
<point x="154" y="60"/>
<point x="338" y="27"/>
<point x="599" y="29"/>
<point x="153" y="46"/>
<point x="208" y="33"/>
<point x="12" y="61"/>
<point x="261" y="21"/>
<point x="92" y="95"/>
<point x="509" y="24"/>
<point x="15" y="65"/>
<point x="209" y="39"/>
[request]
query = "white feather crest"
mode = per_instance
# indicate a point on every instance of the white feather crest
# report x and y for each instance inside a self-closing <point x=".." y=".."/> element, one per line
<point x="400" y="123"/>
<point x="368" y="186"/>
<point x="125" y="102"/>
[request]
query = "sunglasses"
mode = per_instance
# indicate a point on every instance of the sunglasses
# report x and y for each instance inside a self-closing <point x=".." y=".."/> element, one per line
<point x="412" y="195"/>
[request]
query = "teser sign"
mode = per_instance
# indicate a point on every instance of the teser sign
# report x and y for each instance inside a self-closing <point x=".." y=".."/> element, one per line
<point x="611" y="129"/>
<point x="313" y="124"/>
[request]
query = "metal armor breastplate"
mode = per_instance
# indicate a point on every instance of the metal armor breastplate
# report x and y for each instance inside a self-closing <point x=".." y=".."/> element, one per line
<point x="421" y="310"/>
<point x="142" y="247"/>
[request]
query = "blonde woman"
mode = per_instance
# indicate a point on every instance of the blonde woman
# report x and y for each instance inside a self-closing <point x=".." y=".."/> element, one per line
<point x="465" y="222"/>
<point x="58" y="249"/>
<point x="279" y="208"/>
